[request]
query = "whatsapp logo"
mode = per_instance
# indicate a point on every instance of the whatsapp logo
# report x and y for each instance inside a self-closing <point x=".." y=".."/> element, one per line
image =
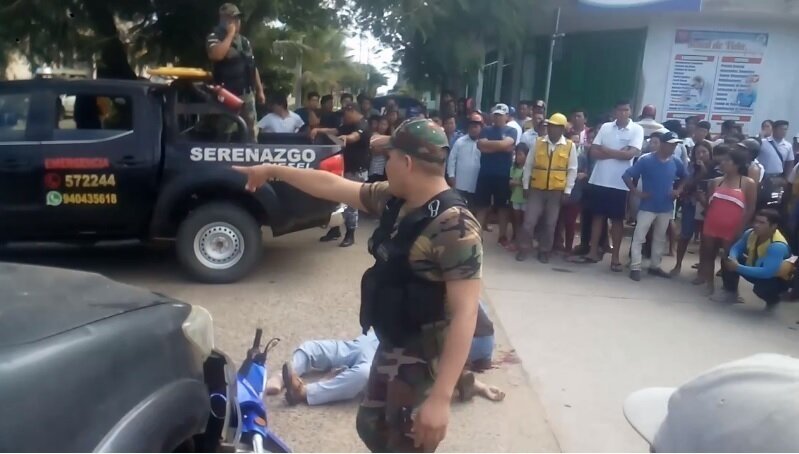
<point x="54" y="198"/>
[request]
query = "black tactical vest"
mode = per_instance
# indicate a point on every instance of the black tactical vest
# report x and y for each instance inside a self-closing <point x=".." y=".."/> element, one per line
<point x="235" y="72"/>
<point x="395" y="300"/>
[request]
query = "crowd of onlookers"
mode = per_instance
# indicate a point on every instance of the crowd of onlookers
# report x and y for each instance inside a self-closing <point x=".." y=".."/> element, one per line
<point x="537" y="176"/>
<point x="674" y="182"/>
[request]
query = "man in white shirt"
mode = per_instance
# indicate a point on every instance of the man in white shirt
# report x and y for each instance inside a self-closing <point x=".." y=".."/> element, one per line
<point x="280" y="119"/>
<point x="615" y="146"/>
<point x="776" y="153"/>
<point x="463" y="164"/>
<point x="548" y="178"/>
<point x="647" y="120"/>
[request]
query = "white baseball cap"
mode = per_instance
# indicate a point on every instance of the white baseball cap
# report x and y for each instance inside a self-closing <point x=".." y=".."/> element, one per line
<point x="748" y="405"/>
<point x="500" y="109"/>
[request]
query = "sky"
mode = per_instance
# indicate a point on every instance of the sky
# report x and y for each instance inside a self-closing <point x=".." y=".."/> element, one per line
<point x="369" y="50"/>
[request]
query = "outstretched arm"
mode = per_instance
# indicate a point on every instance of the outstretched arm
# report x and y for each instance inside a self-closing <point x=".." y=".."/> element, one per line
<point x="317" y="183"/>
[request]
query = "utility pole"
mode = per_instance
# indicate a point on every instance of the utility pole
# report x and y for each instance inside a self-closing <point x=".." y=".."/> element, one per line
<point x="555" y="37"/>
<point x="366" y="66"/>
<point x="298" y="77"/>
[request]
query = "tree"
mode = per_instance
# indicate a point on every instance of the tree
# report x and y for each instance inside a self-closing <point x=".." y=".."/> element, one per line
<point x="321" y="55"/>
<point x="121" y="35"/>
<point x="434" y="40"/>
<point x="126" y="33"/>
<point x="364" y="78"/>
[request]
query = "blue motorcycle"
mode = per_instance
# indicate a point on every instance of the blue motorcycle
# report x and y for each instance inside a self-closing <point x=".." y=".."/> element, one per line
<point x="249" y="419"/>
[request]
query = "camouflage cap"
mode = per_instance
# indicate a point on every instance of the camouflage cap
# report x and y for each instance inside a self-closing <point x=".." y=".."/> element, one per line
<point x="422" y="138"/>
<point x="229" y="9"/>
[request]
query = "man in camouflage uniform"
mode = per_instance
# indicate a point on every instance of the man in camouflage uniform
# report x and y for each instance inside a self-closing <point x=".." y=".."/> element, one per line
<point x="234" y="63"/>
<point x="414" y="373"/>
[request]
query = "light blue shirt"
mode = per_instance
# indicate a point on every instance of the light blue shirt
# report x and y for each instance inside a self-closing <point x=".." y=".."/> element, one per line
<point x="769" y="158"/>
<point x="464" y="164"/>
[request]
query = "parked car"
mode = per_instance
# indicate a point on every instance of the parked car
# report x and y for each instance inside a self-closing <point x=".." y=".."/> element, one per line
<point x="143" y="160"/>
<point x="91" y="365"/>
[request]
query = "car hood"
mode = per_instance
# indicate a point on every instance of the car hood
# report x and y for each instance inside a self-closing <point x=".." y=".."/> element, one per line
<point x="38" y="302"/>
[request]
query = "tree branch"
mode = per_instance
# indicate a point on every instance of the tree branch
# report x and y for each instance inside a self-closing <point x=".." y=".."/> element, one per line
<point x="113" y="62"/>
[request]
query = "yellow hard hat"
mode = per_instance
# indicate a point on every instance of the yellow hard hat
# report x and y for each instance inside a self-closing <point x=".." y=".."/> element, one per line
<point x="557" y="119"/>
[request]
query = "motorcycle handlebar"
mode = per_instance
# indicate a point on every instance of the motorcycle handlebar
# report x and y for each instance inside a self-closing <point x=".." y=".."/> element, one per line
<point x="256" y="343"/>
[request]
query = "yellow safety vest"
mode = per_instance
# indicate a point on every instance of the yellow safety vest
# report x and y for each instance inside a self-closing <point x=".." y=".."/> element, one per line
<point x="755" y="251"/>
<point x="549" y="171"/>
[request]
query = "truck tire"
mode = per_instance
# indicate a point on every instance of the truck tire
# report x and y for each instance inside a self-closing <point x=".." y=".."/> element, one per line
<point x="219" y="243"/>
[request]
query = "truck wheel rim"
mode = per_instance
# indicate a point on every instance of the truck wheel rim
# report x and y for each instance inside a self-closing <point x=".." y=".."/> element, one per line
<point x="219" y="246"/>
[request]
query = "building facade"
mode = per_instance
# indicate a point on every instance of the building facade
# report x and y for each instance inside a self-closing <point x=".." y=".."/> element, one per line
<point x="719" y="59"/>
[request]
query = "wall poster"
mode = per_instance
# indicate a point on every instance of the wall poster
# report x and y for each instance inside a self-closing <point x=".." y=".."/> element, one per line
<point x="715" y="75"/>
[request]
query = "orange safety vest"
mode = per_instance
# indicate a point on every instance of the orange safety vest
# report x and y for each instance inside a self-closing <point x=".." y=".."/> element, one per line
<point x="549" y="170"/>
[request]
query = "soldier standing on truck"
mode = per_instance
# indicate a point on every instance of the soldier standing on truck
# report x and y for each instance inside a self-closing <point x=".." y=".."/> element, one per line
<point x="421" y="295"/>
<point x="234" y="63"/>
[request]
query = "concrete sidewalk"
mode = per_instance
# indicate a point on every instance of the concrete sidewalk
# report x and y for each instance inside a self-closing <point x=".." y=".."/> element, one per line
<point x="589" y="337"/>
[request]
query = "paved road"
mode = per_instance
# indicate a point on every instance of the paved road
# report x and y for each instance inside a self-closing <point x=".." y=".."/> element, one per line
<point x="588" y="338"/>
<point x="305" y="290"/>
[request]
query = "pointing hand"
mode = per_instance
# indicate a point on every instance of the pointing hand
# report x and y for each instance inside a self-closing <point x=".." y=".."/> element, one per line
<point x="256" y="175"/>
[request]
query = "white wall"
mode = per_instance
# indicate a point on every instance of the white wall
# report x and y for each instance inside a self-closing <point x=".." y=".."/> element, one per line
<point x="778" y="91"/>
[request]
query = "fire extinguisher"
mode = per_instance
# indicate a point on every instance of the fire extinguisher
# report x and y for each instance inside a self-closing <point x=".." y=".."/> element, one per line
<point x="226" y="97"/>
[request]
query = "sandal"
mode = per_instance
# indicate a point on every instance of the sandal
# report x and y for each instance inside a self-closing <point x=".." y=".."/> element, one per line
<point x="616" y="267"/>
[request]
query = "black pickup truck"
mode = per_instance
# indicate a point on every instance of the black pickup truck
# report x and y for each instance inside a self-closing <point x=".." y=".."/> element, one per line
<point x="141" y="160"/>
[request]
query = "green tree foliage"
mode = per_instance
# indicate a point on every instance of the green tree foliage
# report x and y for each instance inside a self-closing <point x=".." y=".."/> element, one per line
<point x="439" y="41"/>
<point x="121" y="35"/>
<point x="325" y="66"/>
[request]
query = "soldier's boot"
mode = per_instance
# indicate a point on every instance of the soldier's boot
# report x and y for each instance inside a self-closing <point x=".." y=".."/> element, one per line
<point x="349" y="239"/>
<point x="331" y="235"/>
<point x="295" y="388"/>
